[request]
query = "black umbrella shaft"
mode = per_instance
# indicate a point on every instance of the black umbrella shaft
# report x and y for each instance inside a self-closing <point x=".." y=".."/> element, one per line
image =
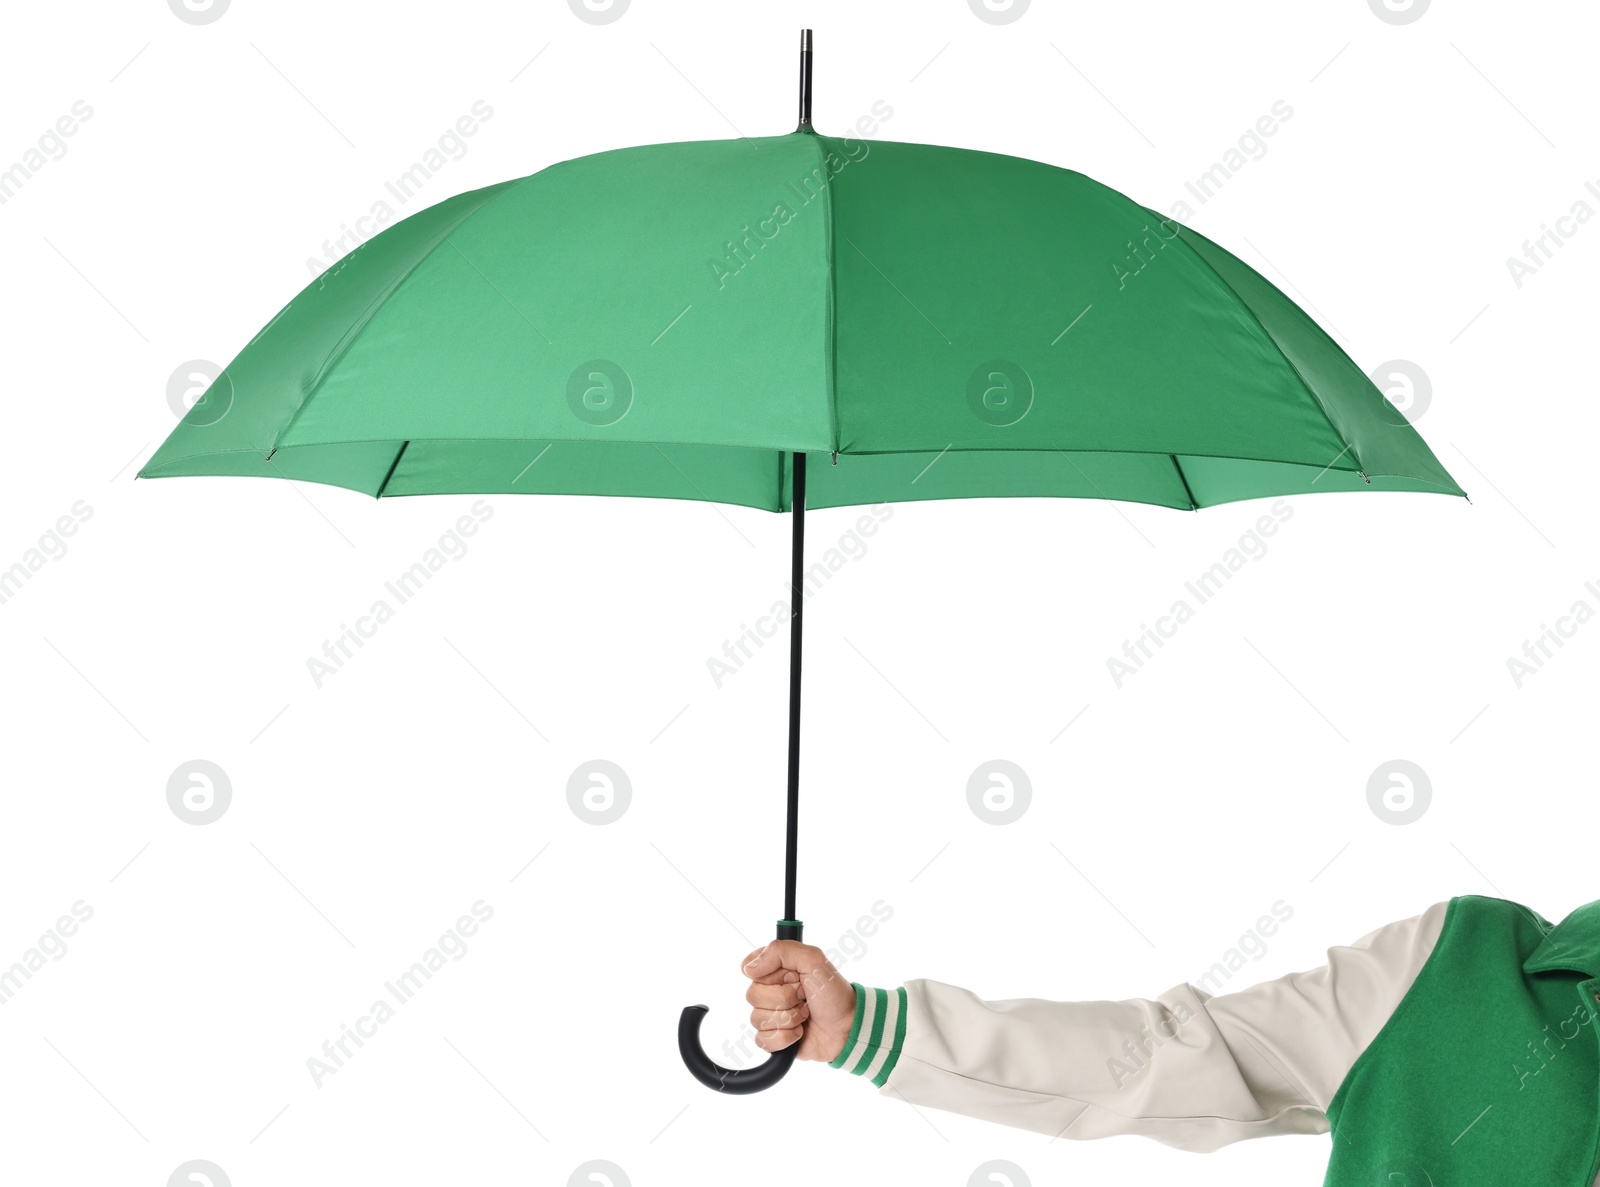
<point x="797" y="597"/>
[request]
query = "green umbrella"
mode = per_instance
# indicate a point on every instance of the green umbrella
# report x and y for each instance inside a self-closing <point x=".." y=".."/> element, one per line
<point x="696" y="320"/>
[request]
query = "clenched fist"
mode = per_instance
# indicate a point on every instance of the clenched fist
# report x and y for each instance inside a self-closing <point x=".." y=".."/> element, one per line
<point x="798" y="995"/>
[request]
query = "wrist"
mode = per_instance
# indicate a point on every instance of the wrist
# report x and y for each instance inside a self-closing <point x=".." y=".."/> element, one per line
<point x="877" y="1033"/>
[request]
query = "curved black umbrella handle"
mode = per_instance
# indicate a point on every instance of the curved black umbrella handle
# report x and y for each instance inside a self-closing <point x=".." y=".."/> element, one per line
<point x="738" y="1081"/>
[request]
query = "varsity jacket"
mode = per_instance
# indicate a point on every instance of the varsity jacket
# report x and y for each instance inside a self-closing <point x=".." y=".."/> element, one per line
<point x="1455" y="1047"/>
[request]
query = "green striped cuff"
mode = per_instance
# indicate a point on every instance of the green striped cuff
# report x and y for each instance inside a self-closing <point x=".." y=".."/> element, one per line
<point x="876" y="1034"/>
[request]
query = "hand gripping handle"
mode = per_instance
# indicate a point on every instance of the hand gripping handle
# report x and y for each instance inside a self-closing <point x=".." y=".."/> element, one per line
<point x="738" y="1081"/>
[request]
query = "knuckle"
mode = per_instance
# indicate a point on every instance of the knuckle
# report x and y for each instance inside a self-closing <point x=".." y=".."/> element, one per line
<point x="777" y="1020"/>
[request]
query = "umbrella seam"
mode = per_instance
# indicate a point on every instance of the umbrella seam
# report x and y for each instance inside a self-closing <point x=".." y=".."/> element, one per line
<point x="353" y="334"/>
<point x="830" y="332"/>
<point x="1272" y="338"/>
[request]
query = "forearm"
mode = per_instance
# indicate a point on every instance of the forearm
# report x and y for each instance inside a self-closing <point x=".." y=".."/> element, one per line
<point x="1156" y="1067"/>
<point x="1183" y="1068"/>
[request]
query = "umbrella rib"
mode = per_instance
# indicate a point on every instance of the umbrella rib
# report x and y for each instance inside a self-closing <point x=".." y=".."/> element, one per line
<point x="1194" y="504"/>
<point x="393" y="466"/>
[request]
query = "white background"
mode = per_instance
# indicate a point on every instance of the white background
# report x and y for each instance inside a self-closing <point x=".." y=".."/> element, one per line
<point x="367" y="815"/>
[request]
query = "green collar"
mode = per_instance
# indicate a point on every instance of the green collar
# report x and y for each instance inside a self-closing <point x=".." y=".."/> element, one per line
<point x="1572" y="944"/>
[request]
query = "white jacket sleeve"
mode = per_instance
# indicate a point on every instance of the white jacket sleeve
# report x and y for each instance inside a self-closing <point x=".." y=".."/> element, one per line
<point x="1185" y="1068"/>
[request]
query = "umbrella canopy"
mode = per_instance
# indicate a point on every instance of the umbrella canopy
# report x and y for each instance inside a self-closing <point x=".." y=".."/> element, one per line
<point x="695" y="320"/>
<point x="677" y="320"/>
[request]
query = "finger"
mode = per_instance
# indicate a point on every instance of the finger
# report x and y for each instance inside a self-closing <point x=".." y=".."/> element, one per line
<point x="777" y="1040"/>
<point x="773" y="997"/>
<point x="780" y="955"/>
<point x="778" y="1019"/>
<point x="779" y="977"/>
<point x="756" y="964"/>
